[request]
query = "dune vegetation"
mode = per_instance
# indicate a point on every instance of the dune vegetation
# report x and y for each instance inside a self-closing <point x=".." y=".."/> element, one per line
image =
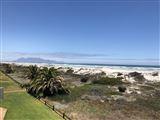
<point x="90" y="96"/>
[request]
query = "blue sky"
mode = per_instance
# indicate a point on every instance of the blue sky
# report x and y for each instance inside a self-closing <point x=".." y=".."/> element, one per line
<point x="119" y="32"/>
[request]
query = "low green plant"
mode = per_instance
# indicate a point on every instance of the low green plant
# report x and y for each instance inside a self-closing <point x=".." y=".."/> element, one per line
<point x="108" y="81"/>
<point x="69" y="71"/>
<point x="8" y="68"/>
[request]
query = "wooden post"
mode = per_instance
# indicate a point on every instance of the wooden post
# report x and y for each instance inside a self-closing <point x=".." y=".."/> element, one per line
<point x="53" y="108"/>
<point x="39" y="97"/>
<point x="1" y="92"/>
<point x="45" y="102"/>
<point x="63" y="115"/>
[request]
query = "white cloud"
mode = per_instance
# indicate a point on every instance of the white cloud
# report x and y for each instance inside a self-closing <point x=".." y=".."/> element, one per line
<point x="79" y="58"/>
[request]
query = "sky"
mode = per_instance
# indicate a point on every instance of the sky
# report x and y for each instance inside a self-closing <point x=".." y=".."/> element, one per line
<point x="92" y="31"/>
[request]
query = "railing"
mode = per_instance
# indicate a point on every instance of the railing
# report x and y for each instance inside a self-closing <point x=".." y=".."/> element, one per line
<point x="11" y="78"/>
<point x="60" y="113"/>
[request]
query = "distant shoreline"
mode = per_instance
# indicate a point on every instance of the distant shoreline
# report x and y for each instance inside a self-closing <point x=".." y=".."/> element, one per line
<point x="88" y="64"/>
<point x="120" y="65"/>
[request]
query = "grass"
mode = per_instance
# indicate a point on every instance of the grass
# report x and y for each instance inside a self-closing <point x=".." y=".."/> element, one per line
<point x="89" y="89"/>
<point x="151" y="103"/>
<point x="22" y="106"/>
<point x="3" y="77"/>
<point x="7" y="83"/>
<point x="89" y="110"/>
<point x="108" y="81"/>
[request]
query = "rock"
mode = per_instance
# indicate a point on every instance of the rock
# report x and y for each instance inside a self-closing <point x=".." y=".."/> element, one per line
<point x="134" y="74"/>
<point x="137" y="76"/>
<point x="102" y="101"/>
<point x="122" y="88"/>
<point x="119" y="74"/>
<point x="155" y="74"/>
<point x="123" y="98"/>
<point x="117" y="97"/>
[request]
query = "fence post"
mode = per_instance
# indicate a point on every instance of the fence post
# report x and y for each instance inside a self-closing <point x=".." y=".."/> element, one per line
<point x="63" y="115"/>
<point x="53" y="108"/>
<point x="38" y="97"/>
<point x="1" y="92"/>
<point x="45" y="102"/>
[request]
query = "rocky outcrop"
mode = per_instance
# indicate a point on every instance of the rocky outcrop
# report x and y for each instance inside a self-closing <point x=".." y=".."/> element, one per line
<point x="137" y="76"/>
<point x="155" y="74"/>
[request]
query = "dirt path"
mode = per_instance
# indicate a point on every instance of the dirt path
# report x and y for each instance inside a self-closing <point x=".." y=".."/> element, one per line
<point x="13" y="91"/>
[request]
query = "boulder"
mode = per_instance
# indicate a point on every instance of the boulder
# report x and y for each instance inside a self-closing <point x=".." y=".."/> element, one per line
<point x="137" y="76"/>
<point x="155" y="74"/>
<point x="119" y="74"/>
<point x="134" y="74"/>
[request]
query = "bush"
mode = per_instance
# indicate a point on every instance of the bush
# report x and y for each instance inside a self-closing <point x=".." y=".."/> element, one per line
<point x="25" y="85"/>
<point x="122" y="89"/>
<point x="84" y="79"/>
<point x="70" y="71"/>
<point x="8" y="68"/>
<point x="108" y="81"/>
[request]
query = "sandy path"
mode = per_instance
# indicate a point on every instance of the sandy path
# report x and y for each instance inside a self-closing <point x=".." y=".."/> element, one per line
<point x="13" y="91"/>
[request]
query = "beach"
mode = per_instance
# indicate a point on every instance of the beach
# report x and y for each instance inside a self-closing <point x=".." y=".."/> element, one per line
<point x="111" y="71"/>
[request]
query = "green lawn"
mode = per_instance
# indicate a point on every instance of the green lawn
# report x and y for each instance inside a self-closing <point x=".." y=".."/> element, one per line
<point x="7" y="83"/>
<point x="22" y="106"/>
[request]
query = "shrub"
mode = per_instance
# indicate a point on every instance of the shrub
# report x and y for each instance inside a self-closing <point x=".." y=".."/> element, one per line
<point x="122" y="89"/>
<point x="70" y="71"/>
<point x="25" y="85"/>
<point x="84" y="79"/>
<point x="108" y="81"/>
<point x="8" y="68"/>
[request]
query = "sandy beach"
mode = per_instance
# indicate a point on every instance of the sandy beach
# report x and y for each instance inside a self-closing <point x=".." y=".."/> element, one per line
<point x="110" y="71"/>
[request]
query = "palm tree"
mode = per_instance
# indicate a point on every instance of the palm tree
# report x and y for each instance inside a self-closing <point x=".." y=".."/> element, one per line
<point x="54" y="71"/>
<point x="48" y="83"/>
<point x="33" y="72"/>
